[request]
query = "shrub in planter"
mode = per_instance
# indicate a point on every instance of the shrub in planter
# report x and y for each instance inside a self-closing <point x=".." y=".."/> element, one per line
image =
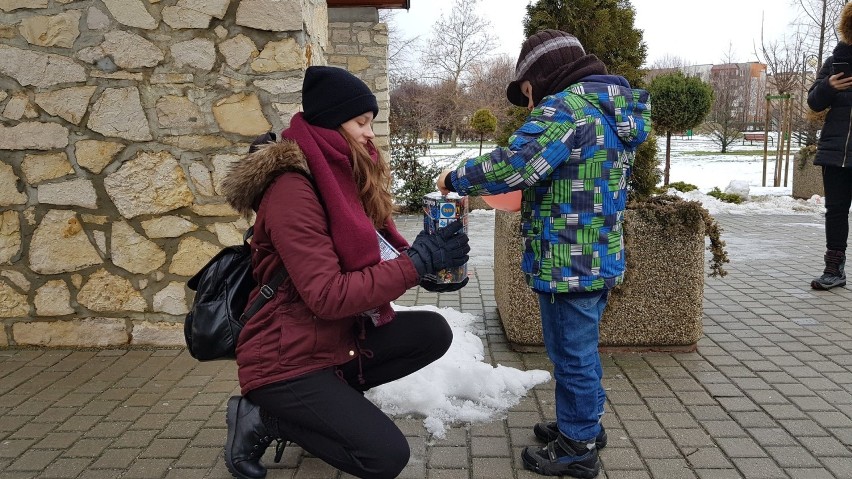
<point x="659" y="305"/>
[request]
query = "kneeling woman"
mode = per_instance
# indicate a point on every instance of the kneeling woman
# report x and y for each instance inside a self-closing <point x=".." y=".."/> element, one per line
<point x="323" y="206"/>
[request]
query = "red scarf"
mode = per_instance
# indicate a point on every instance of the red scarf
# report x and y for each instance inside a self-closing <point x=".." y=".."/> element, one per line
<point x="329" y="158"/>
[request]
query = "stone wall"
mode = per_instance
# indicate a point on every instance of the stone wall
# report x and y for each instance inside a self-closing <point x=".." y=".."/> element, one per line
<point x="118" y="120"/>
<point x="359" y="43"/>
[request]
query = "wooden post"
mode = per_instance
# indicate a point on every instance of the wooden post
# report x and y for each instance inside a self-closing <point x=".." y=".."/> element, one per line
<point x="766" y="139"/>
<point x="789" y="139"/>
<point x="779" y="146"/>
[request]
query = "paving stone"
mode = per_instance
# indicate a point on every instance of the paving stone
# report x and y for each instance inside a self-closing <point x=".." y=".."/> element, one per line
<point x="792" y="457"/>
<point x="758" y="468"/>
<point x="448" y="457"/>
<point x="116" y="458"/>
<point x="65" y="468"/>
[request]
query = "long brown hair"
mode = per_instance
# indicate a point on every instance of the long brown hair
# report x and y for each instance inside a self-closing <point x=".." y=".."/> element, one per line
<point x="373" y="179"/>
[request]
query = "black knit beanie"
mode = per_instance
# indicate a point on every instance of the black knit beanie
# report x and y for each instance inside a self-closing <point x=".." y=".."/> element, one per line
<point x="551" y="60"/>
<point x="332" y="96"/>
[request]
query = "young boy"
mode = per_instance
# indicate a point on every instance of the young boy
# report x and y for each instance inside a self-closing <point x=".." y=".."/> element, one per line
<point x="572" y="159"/>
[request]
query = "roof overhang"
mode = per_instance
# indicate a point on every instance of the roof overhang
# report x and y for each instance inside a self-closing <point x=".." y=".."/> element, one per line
<point x="406" y="4"/>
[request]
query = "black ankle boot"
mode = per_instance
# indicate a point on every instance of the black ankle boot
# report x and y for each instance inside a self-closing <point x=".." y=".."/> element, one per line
<point x="834" y="274"/>
<point x="247" y="440"/>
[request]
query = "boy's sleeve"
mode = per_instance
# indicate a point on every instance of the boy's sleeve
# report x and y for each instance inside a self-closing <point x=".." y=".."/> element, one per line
<point x="535" y="150"/>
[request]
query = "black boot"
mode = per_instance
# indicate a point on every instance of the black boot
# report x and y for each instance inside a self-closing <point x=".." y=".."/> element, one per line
<point x="549" y="431"/>
<point x="834" y="274"/>
<point x="248" y="439"/>
<point x="563" y="457"/>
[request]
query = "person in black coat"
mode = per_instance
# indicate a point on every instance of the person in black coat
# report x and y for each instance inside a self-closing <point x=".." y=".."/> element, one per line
<point x="832" y="90"/>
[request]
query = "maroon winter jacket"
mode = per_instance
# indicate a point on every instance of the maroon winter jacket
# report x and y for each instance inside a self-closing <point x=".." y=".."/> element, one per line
<point x="314" y="320"/>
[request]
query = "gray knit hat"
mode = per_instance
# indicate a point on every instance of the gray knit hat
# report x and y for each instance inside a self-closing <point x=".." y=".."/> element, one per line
<point x="547" y="58"/>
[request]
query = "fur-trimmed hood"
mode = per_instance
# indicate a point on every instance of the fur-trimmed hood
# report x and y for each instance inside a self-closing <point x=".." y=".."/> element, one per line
<point x="844" y="25"/>
<point x="248" y="179"/>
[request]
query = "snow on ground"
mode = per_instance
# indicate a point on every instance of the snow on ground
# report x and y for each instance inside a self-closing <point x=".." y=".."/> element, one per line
<point x="458" y="387"/>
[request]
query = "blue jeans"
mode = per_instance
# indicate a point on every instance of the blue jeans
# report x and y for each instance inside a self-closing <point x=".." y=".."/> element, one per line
<point x="570" y="325"/>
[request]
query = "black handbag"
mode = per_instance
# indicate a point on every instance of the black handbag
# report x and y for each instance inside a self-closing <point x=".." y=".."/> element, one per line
<point x="212" y="326"/>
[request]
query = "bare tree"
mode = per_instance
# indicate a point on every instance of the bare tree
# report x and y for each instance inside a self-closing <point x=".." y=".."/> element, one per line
<point x="459" y="41"/>
<point x="817" y="19"/>
<point x="783" y="60"/>
<point x="401" y="50"/>
<point x="726" y="118"/>
<point x="486" y="86"/>
<point x="663" y="66"/>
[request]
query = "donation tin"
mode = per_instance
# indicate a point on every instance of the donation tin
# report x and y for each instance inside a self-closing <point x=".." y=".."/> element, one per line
<point x="438" y="212"/>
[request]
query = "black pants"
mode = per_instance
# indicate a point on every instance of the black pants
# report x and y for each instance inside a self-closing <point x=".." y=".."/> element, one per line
<point x="326" y="412"/>
<point x="838" y="198"/>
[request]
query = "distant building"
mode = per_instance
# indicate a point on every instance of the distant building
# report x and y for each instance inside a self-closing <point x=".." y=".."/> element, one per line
<point x="748" y="82"/>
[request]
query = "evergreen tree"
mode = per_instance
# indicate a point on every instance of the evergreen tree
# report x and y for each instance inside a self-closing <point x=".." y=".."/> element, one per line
<point x="483" y="122"/>
<point x="680" y="103"/>
<point x="604" y="27"/>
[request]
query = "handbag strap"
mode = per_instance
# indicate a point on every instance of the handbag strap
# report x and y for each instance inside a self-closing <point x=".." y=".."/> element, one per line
<point x="267" y="291"/>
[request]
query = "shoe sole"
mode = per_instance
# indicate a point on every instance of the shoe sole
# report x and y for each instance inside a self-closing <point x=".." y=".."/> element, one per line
<point x="825" y="287"/>
<point x="231" y="421"/>
<point x="545" y="434"/>
<point x="575" y="470"/>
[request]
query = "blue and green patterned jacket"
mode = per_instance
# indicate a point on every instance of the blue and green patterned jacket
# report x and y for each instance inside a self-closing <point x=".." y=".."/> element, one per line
<point x="572" y="159"/>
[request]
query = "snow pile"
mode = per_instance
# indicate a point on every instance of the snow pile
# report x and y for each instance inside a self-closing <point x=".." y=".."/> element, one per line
<point x="459" y="387"/>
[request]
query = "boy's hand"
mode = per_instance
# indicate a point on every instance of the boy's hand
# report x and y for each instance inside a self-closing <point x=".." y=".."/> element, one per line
<point x="442" y="178"/>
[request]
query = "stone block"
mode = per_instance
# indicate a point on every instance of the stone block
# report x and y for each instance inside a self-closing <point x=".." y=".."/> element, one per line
<point x="171" y="299"/>
<point x="59" y="245"/>
<point x="89" y="332"/>
<point x="107" y="292"/>
<point x="147" y="333"/>
<point x="39" y="69"/>
<point x="131" y="13"/>
<point x="270" y="15"/>
<point x="659" y="305"/>
<point x="10" y="236"/>
<point x="33" y="135"/>
<point x="76" y="192"/>
<point x="12" y="303"/>
<point x="807" y="177"/>
<point x="151" y="183"/>
<point x="48" y="31"/>
<point x="38" y="168"/>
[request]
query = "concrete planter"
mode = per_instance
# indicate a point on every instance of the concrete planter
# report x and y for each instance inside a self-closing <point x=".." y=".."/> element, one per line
<point x="807" y="177"/>
<point x="659" y="305"/>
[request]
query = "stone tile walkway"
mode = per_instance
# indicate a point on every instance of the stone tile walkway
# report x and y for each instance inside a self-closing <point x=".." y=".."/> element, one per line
<point x="768" y="394"/>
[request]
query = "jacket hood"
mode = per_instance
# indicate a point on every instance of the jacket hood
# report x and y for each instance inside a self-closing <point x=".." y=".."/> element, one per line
<point x="844" y="25"/>
<point x="617" y="100"/>
<point x="247" y="180"/>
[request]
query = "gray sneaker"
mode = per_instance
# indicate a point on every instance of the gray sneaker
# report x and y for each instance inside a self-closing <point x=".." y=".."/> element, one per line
<point x="828" y="281"/>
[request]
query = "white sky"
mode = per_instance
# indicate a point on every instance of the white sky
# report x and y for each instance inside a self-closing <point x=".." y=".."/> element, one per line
<point x="670" y="27"/>
<point x="461" y="387"/>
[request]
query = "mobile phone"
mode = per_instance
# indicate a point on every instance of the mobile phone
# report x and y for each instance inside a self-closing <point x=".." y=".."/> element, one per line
<point x="841" y="67"/>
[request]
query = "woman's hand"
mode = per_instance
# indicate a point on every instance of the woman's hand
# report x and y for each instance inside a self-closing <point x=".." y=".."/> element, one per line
<point x="840" y="82"/>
